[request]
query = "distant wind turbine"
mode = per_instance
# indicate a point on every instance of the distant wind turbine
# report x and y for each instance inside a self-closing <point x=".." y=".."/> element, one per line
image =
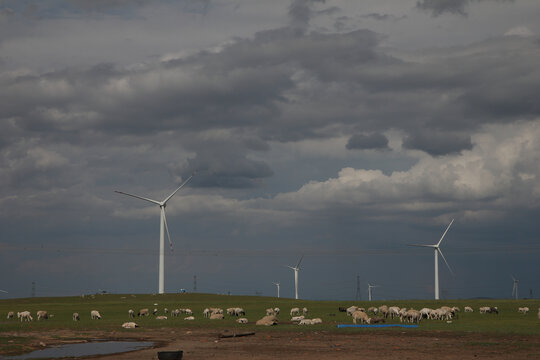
<point x="437" y="250"/>
<point x="163" y="228"/>
<point x="369" y="290"/>
<point x="277" y="285"/>
<point x="515" y="288"/>
<point x="296" y="268"/>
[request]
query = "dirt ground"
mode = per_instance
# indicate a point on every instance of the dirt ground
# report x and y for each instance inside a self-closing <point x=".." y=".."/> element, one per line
<point x="377" y="344"/>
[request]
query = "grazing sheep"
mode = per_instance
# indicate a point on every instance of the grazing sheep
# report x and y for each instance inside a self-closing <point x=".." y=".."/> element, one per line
<point x="206" y="312"/>
<point x="239" y="312"/>
<point x="295" y="311"/>
<point x="76" y="316"/>
<point x="267" y="320"/>
<point x="166" y="311"/>
<point x="42" y="314"/>
<point x="230" y="311"/>
<point x="131" y="313"/>
<point x="161" y="317"/>
<point x="188" y="311"/>
<point x="242" y="321"/>
<point x="155" y="312"/>
<point x="189" y="318"/>
<point x="129" y="325"/>
<point x="25" y="315"/>
<point x="426" y="313"/>
<point x="362" y="316"/>
<point x="276" y="310"/>
<point x="393" y="311"/>
<point x="215" y="316"/>
<point x="305" y="311"/>
<point x="351" y="309"/>
<point x="94" y="314"/>
<point x="175" y="312"/>
<point x="373" y="310"/>
<point x="523" y="310"/>
<point x="10" y="315"/>
<point x="383" y="309"/>
<point x="468" y="309"/>
<point x="143" y="312"/>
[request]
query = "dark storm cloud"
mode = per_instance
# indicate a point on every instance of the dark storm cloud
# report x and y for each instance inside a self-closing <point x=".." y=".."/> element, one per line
<point x="367" y="141"/>
<point x="437" y="143"/>
<point x="439" y="7"/>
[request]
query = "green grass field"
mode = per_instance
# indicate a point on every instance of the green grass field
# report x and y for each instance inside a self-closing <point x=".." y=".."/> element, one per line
<point x="114" y="310"/>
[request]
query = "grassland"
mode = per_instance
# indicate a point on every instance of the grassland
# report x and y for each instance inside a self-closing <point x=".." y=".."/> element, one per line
<point x="114" y="309"/>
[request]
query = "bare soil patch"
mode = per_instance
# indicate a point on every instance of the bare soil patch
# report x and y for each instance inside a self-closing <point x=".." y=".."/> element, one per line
<point x="376" y="344"/>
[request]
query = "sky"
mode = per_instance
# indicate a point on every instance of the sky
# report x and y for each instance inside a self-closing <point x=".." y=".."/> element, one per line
<point x="337" y="130"/>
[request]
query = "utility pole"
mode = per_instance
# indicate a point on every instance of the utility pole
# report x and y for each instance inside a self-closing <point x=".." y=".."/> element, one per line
<point x="358" y="293"/>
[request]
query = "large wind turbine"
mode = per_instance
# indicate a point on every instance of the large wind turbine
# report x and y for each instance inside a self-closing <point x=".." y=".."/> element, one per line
<point x="162" y="228"/>
<point x="515" y="288"/>
<point x="369" y="290"/>
<point x="296" y="268"/>
<point x="437" y="250"/>
<point x="277" y="285"/>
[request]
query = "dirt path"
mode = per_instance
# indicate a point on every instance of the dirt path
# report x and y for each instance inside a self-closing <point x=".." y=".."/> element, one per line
<point x="206" y="344"/>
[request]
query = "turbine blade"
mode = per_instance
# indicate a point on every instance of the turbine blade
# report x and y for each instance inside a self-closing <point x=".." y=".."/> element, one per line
<point x="446" y="262"/>
<point x="175" y="191"/>
<point x="290" y="267"/>
<point x="443" y="235"/>
<point x="139" y="197"/>
<point x="4" y="291"/>
<point x="297" y="265"/>
<point x="419" y="245"/>
<point x="167" y="228"/>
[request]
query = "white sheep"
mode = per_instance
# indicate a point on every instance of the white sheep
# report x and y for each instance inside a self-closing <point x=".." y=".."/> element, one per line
<point x="42" y="314"/>
<point x="468" y="309"/>
<point x="187" y="311"/>
<point x="239" y="311"/>
<point x="189" y="318"/>
<point x="25" y="315"/>
<point x="523" y="310"/>
<point x="76" y="316"/>
<point x="305" y="311"/>
<point x="10" y="315"/>
<point x="143" y="312"/>
<point x="362" y="316"/>
<point x="130" y="325"/>
<point x="131" y="313"/>
<point x="94" y="314"/>
<point x="305" y="322"/>
<point x="242" y="321"/>
<point x="297" y="318"/>
<point x="161" y="317"/>
<point x="276" y="310"/>
<point x="175" y="312"/>
<point x="295" y="311"/>
<point x="316" y="321"/>
<point x="216" y="316"/>
<point x="268" y="320"/>
<point x="351" y="309"/>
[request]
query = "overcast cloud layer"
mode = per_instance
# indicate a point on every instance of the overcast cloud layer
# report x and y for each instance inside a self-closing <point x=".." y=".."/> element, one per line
<point x="338" y="129"/>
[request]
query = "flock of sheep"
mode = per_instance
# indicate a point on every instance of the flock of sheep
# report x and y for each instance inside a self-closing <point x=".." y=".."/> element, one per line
<point x="298" y="316"/>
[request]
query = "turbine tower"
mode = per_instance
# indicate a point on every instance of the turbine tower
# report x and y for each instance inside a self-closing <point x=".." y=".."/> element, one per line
<point x="515" y="288"/>
<point x="437" y="251"/>
<point x="162" y="228"/>
<point x="369" y="290"/>
<point x="277" y="285"/>
<point x="296" y="268"/>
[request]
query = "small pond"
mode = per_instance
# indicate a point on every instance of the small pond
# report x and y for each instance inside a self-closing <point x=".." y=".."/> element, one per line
<point x="85" y="349"/>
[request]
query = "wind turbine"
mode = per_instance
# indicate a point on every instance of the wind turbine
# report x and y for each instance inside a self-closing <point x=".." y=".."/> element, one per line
<point x="296" y="268"/>
<point x="277" y="285"/>
<point x="437" y="250"/>
<point x="369" y="290"/>
<point x="515" y="288"/>
<point x="163" y="227"/>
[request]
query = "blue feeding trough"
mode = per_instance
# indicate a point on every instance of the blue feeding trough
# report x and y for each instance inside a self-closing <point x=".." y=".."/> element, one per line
<point x="375" y="326"/>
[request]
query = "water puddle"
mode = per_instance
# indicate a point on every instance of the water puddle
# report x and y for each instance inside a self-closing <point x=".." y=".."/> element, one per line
<point x="85" y="349"/>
